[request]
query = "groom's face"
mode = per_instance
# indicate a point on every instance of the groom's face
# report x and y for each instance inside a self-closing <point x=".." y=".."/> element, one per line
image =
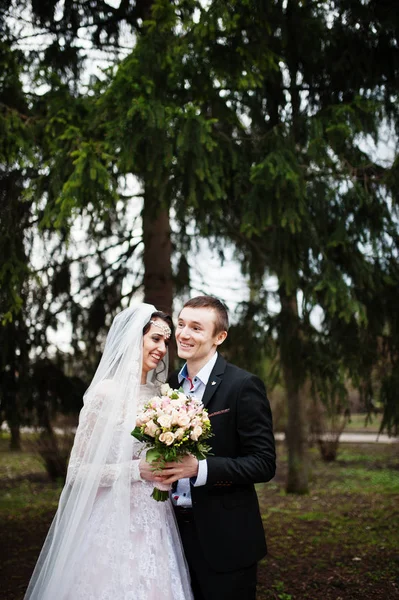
<point x="195" y="334"/>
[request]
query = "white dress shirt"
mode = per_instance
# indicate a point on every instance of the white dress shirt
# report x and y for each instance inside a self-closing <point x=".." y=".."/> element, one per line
<point x="195" y="387"/>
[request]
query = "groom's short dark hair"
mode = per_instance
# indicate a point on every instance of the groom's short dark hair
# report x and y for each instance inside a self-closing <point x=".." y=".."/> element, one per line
<point x="222" y="318"/>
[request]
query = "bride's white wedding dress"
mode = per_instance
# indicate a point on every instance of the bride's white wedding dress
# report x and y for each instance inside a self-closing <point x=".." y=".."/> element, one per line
<point x="109" y="540"/>
<point x="151" y="566"/>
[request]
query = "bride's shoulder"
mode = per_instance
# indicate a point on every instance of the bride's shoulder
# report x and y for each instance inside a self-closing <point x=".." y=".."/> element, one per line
<point x="102" y="390"/>
<point x="105" y="387"/>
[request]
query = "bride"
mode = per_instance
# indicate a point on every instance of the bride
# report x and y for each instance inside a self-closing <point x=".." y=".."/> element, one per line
<point x="109" y="539"/>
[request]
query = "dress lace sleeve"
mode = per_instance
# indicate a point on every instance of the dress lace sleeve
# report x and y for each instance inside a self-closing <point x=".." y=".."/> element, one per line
<point x="79" y="467"/>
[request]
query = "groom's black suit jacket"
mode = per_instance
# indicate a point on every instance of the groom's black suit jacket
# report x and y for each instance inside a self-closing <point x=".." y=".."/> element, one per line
<point x="226" y="510"/>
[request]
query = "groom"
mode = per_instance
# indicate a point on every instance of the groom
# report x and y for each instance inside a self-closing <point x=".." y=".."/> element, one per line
<point x="215" y="500"/>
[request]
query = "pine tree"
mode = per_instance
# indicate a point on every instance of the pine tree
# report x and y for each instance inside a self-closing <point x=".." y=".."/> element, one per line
<point x="307" y="203"/>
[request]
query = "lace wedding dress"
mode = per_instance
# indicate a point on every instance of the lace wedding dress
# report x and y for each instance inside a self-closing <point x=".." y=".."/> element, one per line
<point x="109" y="540"/>
<point x="151" y="566"/>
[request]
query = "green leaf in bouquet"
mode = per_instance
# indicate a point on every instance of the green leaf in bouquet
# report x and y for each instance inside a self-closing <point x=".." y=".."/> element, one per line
<point x="139" y="435"/>
<point x="202" y="451"/>
<point x="152" y="455"/>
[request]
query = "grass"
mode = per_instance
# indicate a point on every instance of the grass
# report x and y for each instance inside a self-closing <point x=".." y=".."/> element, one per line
<point x="361" y="423"/>
<point x="25" y="490"/>
<point x="17" y="464"/>
<point x="339" y="542"/>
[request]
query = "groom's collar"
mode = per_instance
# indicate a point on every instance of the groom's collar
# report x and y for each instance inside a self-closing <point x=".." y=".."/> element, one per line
<point x="203" y="374"/>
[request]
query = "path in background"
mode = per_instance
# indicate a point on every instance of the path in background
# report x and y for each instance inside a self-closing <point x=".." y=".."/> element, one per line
<point x="357" y="438"/>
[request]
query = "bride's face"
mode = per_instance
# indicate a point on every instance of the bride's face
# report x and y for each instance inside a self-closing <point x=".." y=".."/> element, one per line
<point x="154" y="347"/>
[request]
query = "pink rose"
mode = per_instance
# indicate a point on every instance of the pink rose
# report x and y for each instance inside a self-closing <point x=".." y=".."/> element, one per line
<point x="154" y="402"/>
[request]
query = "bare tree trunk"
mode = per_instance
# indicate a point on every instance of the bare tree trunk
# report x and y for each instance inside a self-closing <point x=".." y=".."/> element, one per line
<point x="290" y="336"/>
<point x="12" y="412"/>
<point x="158" y="282"/>
<point x="15" y="438"/>
<point x="297" y="480"/>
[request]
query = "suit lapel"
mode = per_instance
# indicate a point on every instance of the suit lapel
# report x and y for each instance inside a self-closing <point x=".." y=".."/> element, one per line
<point x="214" y="380"/>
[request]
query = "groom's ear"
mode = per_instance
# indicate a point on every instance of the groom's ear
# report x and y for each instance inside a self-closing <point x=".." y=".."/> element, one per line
<point x="221" y="336"/>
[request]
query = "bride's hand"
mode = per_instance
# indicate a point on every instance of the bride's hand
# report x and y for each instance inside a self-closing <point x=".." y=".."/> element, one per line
<point x="147" y="471"/>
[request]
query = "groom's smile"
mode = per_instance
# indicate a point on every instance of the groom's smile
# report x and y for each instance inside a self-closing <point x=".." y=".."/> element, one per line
<point x="184" y="346"/>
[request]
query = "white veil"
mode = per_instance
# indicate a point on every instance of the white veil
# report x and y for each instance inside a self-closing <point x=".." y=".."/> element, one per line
<point x="101" y="458"/>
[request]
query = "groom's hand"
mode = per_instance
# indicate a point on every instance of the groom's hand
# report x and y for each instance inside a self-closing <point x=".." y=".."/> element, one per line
<point x="172" y="471"/>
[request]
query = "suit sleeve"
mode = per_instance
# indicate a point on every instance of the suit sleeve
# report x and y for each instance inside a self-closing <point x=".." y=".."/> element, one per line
<point x="255" y="461"/>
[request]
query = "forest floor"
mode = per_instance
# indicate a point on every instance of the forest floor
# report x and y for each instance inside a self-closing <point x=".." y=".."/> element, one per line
<point x="339" y="542"/>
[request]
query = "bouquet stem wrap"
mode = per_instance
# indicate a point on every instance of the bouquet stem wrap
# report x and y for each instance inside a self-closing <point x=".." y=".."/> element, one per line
<point x="160" y="491"/>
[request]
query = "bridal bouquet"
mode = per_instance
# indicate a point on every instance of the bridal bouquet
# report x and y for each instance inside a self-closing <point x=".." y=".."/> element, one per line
<point x="173" y="425"/>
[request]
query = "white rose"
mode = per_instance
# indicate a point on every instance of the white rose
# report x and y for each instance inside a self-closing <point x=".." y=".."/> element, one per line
<point x="146" y="416"/>
<point x="151" y="428"/>
<point x="196" y="432"/>
<point x="167" y="438"/>
<point x="176" y="403"/>
<point x="179" y="433"/>
<point x="165" y="421"/>
<point x="183" y="420"/>
<point x="175" y="417"/>
<point x="165" y="387"/>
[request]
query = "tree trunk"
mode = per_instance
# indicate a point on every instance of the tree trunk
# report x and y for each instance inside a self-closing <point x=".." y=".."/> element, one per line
<point x="297" y="478"/>
<point x="15" y="439"/>
<point x="291" y="358"/>
<point x="158" y="285"/>
<point x="158" y="282"/>
<point x="12" y="413"/>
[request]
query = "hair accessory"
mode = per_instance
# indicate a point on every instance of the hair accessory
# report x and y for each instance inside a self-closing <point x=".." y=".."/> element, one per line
<point x="164" y="328"/>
